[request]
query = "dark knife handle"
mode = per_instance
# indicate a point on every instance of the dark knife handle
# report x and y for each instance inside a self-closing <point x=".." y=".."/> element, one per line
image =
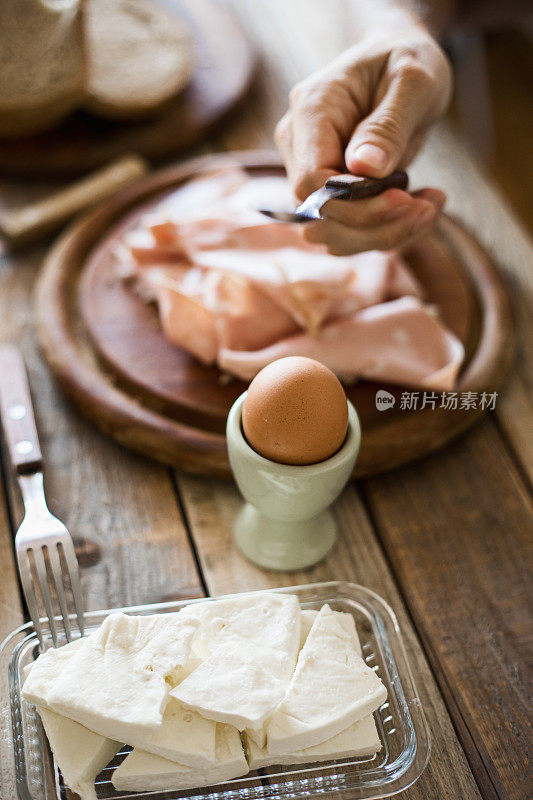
<point x="16" y="411"/>
<point x="358" y="187"/>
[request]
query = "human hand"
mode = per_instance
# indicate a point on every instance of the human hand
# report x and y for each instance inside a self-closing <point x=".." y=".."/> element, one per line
<point x="367" y="113"/>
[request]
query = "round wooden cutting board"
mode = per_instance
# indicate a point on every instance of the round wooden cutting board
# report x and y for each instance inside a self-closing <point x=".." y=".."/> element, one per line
<point x="224" y="65"/>
<point x="105" y="347"/>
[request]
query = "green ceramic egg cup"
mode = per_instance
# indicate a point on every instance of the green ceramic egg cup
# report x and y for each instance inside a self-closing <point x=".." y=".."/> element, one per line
<point x="286" y="523"/>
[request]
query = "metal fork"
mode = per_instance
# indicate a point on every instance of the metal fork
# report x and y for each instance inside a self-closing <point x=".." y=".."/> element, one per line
<point x="40" y="532"/>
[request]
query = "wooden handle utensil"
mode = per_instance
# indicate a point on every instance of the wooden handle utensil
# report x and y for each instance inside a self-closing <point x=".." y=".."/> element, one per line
<point x="339" y="187"/>
<point x="25" y="224"/>
<point x="17" y="412"/>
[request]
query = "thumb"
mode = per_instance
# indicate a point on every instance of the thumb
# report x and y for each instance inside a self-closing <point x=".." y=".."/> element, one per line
<point x="381" y="139"/>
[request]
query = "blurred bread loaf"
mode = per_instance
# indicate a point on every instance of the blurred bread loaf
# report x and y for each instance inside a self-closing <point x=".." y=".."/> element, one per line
<point x="138" y="57"/>
<point x="41" y="63"/>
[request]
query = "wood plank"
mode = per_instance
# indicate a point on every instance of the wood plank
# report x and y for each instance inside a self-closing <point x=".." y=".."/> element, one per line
<point x="121" y="510"/>
<point x="457" y="531"/>
<point x="10" y="602"/>
<point x="10" y="618"/>
<point x="476" y="202"/>
<point x="510" y="75"/>
<point x="210" y="507"/>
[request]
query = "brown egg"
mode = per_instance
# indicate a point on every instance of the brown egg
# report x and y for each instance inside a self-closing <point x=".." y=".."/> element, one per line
<point x="295" y="412"/>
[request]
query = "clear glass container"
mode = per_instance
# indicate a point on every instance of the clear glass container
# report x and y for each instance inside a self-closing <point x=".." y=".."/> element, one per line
<point x="400" y="720"/>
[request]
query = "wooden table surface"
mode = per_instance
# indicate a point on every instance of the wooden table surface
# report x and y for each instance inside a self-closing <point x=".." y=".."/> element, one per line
<point x="447" y="541"/>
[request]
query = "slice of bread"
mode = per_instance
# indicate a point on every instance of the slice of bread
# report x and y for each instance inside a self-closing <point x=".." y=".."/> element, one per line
<point x="42" y="74"/>
<point x="139" y="56"/>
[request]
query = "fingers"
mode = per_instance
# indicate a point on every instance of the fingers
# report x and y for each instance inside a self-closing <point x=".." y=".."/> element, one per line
<point x="312" y="134"/>
<point x="413" y="146"/>
<point x="340" y="239"/>
<point x="434" y="196"/>
<point x="379" y="141"/>
<point x="305" y="151"/>
<point x="383" y="139"/>
<point x="393" y="204"/>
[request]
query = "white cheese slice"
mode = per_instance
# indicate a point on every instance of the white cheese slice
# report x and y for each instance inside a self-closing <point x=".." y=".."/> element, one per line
<point x="184" y="737"/>
<point x="331" y="688"/>
<point x="343" y="617"/>
<point x="263" y="619"/>
<point x="308" y="616"/>
<point x="80" y="754"/>
<point x="180" y="673"/>
<point x="41" y="675"/>
<point x="359" y="739"/>
<point x="259" y="737"/>
<point x="144" y="772"/>
<point x="114" y="684"/>
<point x="306" y="623"/>
<point x="231" y="686"/>
<point x="266" y="620"/>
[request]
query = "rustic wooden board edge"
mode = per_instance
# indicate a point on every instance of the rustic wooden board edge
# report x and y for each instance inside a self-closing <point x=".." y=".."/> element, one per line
<point x="497" y="337"/>
<point x="134" y="425"/>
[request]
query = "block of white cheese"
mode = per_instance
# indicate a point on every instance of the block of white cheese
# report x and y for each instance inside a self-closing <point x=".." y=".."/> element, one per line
<point x="258" y="736"/>
<point x="307" y="618"/>
<point x="179" y="674"/>
<point x="263" y="619"/>
<point x="331" y="688"/>
<point x="343" y="617"/>
<point x="232" y="686"/>
<point x="144" y="772"/>
<point x="41" y="675"/>
<point x="184" y="737"/>
<point x="80" y="754"/>
<point x="359" y="739"/>
<point x="114" y="684"/>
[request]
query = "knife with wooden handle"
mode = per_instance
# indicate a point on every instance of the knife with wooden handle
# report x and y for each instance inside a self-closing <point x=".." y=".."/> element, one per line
<point x="16" y="412"/>
<point x="21" y="225"/>
<point x="339" y="187"/>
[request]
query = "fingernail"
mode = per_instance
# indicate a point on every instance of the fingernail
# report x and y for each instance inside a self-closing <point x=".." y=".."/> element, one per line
<point x="424" y="219"/>
<point x="372" y="155"/>
<point x="397" y="212"/>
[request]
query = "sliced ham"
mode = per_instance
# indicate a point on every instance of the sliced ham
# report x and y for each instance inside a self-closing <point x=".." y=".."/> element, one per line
<point x="199" y="194"/>
<point x="186" y="321"/>
<point x="231" y="236"/>
<point x="310" y="287"/>
<point x="236" y="289"/>
<point x="246" y="318"/>
<point x="401" y="342"/>
<point x="203" y="312"/>
<point x="145" y="251"/>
